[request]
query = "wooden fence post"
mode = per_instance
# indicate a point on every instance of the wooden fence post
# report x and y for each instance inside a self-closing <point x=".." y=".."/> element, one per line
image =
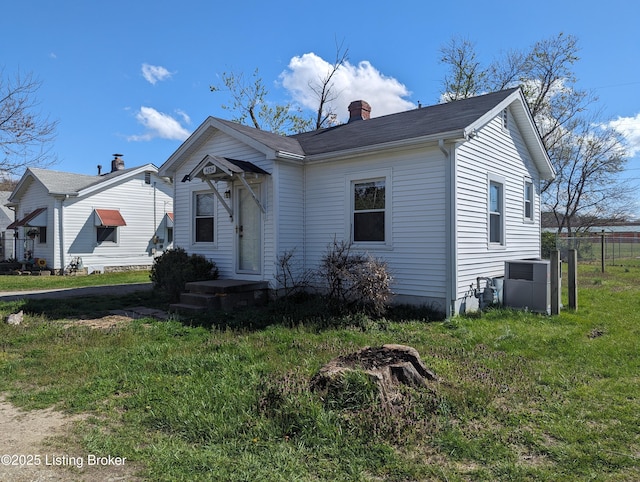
<point x="555" y="282"/>
<point x="572" y="277"/>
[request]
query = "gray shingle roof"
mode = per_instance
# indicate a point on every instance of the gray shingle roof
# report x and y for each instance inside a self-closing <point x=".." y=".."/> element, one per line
<point x="411" y="124"/>
<point x="274" y="141"/>
<point x="57" y="182"/>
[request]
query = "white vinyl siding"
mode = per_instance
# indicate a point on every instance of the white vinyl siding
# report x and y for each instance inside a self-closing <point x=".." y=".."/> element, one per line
<point x="504" y="155"/>
<point x="222" y="251"/>
<point x="130" y="245"/>
<point x="415" y="236"/>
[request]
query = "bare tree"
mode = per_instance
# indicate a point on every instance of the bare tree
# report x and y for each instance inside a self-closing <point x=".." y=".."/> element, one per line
<point x="587" y="158"/>
<point x="465" y="78"/>
<point x="324" y="90"/>
<point x="25" y="134"/>
<point x="588" y="163"/>
<point x="251" y="107"/>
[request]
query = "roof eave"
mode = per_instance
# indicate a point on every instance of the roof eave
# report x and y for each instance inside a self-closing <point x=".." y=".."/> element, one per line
<point x="449" y="136"/>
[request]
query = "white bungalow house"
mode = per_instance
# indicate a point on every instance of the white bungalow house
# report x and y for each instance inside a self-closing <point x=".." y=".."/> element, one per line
<point x="445" y="194"/>
<point x="106" y="222"/>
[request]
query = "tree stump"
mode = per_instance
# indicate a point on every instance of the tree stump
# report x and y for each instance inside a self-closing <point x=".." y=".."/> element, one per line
<point x="388" y="366"/>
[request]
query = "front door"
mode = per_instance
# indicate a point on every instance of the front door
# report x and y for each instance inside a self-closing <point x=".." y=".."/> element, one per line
<point x="249" y="231"/>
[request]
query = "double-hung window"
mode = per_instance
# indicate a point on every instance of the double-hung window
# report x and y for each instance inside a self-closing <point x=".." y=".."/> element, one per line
<point x="204" y="209"/>
<point x="369" y="210"/>
<point x="528" y="200"/>
<point x="496" y="211"/>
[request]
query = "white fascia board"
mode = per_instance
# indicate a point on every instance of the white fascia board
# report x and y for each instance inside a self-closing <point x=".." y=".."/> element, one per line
<point x="450" y="136"/>
<point x="117" y="179"/>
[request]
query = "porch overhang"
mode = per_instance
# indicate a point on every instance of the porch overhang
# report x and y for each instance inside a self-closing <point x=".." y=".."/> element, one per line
<point x="36" y="218"/>
<point x="215" y="168"/>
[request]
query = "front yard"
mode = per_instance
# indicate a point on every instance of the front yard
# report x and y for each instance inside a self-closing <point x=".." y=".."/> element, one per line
<point x="520" y="397"/>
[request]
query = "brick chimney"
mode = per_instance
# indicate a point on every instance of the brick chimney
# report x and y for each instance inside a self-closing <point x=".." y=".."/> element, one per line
<point x="117" y="164"/>
<point x="359" y="110"/>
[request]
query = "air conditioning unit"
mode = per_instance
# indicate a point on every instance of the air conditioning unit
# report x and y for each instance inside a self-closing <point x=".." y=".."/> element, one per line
<point x="527" y="285"/>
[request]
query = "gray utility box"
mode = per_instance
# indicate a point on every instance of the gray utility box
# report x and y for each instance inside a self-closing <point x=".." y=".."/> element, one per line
<point x="527" y="285"/>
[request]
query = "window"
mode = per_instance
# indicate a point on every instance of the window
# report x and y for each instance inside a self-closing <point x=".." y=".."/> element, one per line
<point x="496" y="212"/>
<point x="169" y="235"/>
<point x="42" y="235"/>
<point x="369" y="208"/>
<point x="204" y="216"/>
<point x="505" y="119"/>
<point x="528" y="200"/>
<point x="106" y="234"/>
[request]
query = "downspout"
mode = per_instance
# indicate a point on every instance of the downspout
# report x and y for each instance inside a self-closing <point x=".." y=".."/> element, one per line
<point x="15" y="232"/>
<point x="61" y="232"/>
<point x="451" y="230"/>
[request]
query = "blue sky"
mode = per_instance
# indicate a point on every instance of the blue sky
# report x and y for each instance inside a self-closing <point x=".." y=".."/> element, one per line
<point x="133" y="76"/>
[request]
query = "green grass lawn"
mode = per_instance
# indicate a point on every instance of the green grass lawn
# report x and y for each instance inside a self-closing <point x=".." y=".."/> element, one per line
<point x="31" y="282"/>
<point x="521" y="396"/>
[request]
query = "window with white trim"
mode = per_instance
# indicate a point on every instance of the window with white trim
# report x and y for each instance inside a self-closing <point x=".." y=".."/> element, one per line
<point x="496" y="211"/>
<point x="204" y="210"/>
<point x="528" y="200"/>
<point x="369" y="200"/>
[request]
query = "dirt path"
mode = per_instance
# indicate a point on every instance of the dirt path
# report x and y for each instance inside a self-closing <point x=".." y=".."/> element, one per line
<point x="31" y="450"/>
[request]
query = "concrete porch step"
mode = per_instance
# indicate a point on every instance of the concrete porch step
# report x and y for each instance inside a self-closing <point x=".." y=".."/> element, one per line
<point x="222" y="295"/>
<point x="186" y="307"/>
<point x="225" y="286"/>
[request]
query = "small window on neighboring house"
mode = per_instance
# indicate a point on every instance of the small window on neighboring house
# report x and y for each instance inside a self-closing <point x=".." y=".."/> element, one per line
<point x="528" y="200"/>
<point x="505" y="119"/>
<point x="106" y="234"/>
<point x="169" y="235"/>
<point x="204" y="217"/>
<point x="496" y="212"/>
<point x="42" y="235"/>
<point x="147" y="177"/>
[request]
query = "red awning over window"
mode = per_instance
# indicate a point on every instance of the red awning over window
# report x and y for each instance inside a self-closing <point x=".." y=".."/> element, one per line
<point x="109" y="217"/>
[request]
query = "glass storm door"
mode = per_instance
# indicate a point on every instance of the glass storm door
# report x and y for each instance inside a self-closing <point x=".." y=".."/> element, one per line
<point x="249" y="239"/>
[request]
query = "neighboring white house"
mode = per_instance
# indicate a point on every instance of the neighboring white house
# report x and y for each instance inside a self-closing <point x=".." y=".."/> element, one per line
<point x="445" y="194"/>
<point x="6" y="236"/>
<point x="117" y="220"/>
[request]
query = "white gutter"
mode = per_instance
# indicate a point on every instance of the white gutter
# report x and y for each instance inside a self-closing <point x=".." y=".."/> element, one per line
<point x="451" y="136"/>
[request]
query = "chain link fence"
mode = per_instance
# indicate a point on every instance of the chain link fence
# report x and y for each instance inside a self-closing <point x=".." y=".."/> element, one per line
<point x="613" y="248"/>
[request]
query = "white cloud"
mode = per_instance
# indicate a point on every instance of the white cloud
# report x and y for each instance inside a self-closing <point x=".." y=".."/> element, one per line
<point x="629" y="128"/>
<point x="154" y="73"/>
<point x="159" y="125"/>
<point x="363" y="81"/>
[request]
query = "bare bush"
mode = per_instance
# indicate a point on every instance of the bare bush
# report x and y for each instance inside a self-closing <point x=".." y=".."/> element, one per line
<point x="355" y="280"/>
<point x="291" y="278"/>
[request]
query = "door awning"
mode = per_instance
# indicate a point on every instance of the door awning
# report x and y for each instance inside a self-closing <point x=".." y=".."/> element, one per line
<point x="108" y="217"/>
<point x="36" y="218"/>
<point x="215" y="168"/>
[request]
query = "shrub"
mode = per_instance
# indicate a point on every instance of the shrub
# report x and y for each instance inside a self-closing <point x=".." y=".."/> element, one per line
<point x="355" y="280"/>
<point x="548" y="244"/>
<point x="172" y="270"/>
